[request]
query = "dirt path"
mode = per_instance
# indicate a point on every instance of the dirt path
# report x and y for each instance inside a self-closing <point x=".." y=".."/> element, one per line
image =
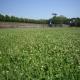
<point x="20" y="25"/>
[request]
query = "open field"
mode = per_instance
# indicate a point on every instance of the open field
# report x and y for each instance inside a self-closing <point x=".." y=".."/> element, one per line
<point x="40" y="54"/>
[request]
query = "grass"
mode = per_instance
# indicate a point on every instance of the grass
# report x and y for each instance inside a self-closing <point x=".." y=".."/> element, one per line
<point x="40" y="54"/>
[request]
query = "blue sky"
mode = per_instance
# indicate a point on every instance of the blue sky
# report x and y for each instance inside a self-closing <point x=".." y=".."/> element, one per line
<point x="39" y="9"/>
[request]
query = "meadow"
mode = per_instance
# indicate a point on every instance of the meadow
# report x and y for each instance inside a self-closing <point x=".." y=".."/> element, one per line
<point x="40" y="54"/>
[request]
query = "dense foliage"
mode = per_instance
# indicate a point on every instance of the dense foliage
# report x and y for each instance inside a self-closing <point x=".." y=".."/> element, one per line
<point x="40" y="54"/>
<point x="7" y="18"/>
<point x="75" y="22"/>
<point x="59" y="20"/>
<point x="56" y="20"/>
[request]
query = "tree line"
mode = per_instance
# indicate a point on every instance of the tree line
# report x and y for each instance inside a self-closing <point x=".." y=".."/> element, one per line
<point x="7" y="18"/>
<point x="56" y="20"/>
<point x="59" y="20"/>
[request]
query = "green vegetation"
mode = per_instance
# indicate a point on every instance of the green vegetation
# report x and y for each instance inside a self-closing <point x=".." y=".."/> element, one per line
<point x="40" y="54"/>
<point x="56" y="20"/>
<point x="59" y="19"/>
<point x="6" y="18"/>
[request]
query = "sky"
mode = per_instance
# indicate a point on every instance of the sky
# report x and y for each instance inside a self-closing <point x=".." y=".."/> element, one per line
<point x="40" y="9"/>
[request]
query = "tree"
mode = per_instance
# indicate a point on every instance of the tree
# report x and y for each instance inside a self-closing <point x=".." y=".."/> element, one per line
<point x="54" y="18"/>
<point x="1" y="17"/>
<point x="7" y="18"/>
<point x="59" y="20"/>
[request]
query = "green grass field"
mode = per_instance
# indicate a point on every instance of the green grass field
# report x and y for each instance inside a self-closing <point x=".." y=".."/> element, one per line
<point x="40" y="54"/>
